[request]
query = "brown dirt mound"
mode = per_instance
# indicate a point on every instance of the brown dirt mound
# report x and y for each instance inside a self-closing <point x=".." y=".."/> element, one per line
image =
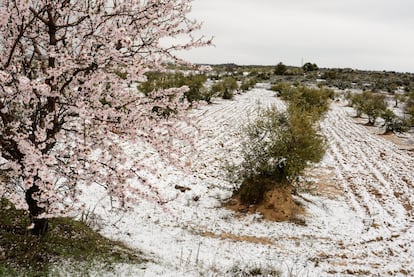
<point x="277" y="204"/>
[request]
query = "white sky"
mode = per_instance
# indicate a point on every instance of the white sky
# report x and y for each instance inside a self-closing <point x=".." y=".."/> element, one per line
<point x="362" y="34"/>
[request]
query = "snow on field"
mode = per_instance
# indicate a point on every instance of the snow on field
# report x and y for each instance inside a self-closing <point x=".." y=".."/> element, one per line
<point x="367" y="229"/>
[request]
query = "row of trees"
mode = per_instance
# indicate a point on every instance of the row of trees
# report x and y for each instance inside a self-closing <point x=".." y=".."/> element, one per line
<point x="374" y="106"/>
<point x="282" y="69"/>
<point x="227" y="86"/>
<point x="279" y="145"/>
<point x="223" y="87"/>
<point x="167" y="80"/>
<point x="342" y="78"/>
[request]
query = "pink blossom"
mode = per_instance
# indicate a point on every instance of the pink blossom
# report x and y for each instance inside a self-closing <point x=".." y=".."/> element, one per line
<point x="67" y="107"/>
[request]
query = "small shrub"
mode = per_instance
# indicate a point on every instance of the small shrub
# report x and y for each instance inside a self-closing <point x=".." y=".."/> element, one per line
<point x="282" y="89"/>
<point x="393" y="123"/>
<point x="247" y="84"/>
<point x="225" y="87"/>
<point x="312" y="101"/>
<point x="228" y="94"/>
<point x="294" y="71"/>
<point x="280" y="69"/>
<point x="196" y="91"/>
<point x="250" y="271"/>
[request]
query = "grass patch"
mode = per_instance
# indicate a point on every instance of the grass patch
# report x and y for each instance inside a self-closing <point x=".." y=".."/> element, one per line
<point x="67" y="241"/>
<point x="254" y="271"/>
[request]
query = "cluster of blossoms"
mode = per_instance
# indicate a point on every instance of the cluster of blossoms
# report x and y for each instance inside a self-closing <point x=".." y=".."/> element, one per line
<point x="65" y="71"/>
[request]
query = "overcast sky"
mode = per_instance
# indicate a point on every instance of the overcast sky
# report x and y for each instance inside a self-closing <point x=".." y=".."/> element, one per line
<point x="361" y="34"/>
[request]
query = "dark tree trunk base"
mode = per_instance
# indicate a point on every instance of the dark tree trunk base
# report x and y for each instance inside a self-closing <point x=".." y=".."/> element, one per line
<point x="41" y="226"/>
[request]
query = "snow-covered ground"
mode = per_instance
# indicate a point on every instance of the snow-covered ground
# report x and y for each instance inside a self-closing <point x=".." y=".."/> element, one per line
<point x="366" y="229"/>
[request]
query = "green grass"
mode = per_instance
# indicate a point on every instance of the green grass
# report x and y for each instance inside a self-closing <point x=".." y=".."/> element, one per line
<point x="67" y="242"/>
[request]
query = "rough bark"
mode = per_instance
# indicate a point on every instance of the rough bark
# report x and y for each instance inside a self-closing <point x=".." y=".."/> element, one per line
<point x="40" y="225"/>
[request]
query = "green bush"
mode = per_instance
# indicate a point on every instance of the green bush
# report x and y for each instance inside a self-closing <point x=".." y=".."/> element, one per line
<point x="280" y="69"/>
<point x="247" y="84"/>
<point x="312" y="101"/>
<point x="307" y="67"/>
<point x="264" y="75"/>
<point x="409" y="108"/>
<point x="373" y="106"/>
<point x="294" y="71"/>
<point x="283" y="89"/>
<point x="196" y="90"/>
<point x="225" y="88"/>
<point x="160" y="80"/>
<point x="218" y="88"/>
<point x="393" y="123"/>
<point x="356" y="101"/>
<point x="278" y="147"/>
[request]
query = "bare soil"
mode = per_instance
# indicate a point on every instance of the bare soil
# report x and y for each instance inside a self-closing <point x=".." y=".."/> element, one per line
<point x="278" y="204"/>
<point x="236" y="238"/>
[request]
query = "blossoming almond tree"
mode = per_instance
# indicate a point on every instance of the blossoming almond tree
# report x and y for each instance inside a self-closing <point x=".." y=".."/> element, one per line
<point x="64" y="70"/>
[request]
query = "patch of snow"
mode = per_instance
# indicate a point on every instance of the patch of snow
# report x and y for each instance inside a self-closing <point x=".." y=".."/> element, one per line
<point x="369" y="229"/>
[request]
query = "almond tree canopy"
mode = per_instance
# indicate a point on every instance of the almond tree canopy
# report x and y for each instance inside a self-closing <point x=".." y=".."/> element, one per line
<point x="65" y="67"/>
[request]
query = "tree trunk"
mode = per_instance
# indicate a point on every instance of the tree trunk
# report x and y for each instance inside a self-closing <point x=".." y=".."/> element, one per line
<point x="40" y="225"/>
